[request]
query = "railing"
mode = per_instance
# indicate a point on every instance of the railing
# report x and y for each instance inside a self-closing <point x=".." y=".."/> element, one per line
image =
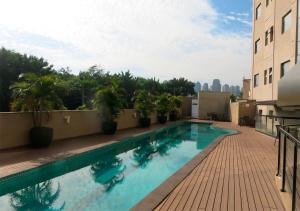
<point x="267" y="123"/>
<point x="287" y="163"/>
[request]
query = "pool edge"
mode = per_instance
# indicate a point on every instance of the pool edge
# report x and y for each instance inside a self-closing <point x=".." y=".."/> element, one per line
<point x="154" y="198"/>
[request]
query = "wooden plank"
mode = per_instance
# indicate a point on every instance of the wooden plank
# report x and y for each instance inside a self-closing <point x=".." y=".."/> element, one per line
<point x="238" y="175"/>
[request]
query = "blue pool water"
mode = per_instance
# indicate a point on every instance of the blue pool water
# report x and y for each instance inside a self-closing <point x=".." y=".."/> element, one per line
<point x="115" y="177"/>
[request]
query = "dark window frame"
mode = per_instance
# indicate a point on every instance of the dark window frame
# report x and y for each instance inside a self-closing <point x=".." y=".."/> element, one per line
<point x="265" y="77"/>
<point x="282" y="70"/>
<point x="283" y="28"/>
<point x="256" y="46"/>
<point x="270" y="75"/>
<point x="271" y="34"/>
<point x="266" y="37"/>
<point x="257" y="15"/>
<point x="256" y="80"/>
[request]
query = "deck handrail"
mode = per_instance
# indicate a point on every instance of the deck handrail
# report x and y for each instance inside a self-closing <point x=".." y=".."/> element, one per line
<point x="287" y="136"/>
<point x="268" y="127"/>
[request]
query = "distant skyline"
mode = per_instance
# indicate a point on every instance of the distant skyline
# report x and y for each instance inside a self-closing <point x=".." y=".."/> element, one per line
<point x="217" y="86"/>
<point x="196" y="39"/>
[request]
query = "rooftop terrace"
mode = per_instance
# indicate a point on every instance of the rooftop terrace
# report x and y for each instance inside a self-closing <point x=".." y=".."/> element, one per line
<point x="238" y="173"/>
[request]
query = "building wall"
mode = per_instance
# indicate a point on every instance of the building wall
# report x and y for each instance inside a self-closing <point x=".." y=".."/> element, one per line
<point x="242" y="109"/>
<point x="234" y="113"/>
<point x="246" y="89"/>
<point x="214" y="102"/>
<point x="14" y="127"/>
<point x="283" y="47"/>
<point x="186" y="108"/>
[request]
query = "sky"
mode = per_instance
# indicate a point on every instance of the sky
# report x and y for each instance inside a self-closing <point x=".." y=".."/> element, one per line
<point x="196" y="39"/>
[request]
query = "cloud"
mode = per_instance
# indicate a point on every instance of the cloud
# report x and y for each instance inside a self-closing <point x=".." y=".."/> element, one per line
<point x="238" y="17"/>
<point x="162" y="38"/>
<point x="244" y="14"/>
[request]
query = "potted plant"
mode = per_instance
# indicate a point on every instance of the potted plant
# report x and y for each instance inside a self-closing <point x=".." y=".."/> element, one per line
<point x="144" y="107"/>
<point x="175" y="103"/>
<point x="109" y="103"/>
<point x="162" y="108"/>
<point x="37" y="94"/>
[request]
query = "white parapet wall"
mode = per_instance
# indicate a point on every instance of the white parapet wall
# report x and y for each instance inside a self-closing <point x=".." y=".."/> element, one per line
<point x="15" y="126"/>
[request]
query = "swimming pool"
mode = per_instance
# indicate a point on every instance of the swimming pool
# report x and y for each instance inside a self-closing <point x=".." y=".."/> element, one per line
<point x="115" y="177"/>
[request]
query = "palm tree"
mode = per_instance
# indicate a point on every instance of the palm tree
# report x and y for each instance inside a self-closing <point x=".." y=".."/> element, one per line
<point x="108" y="171"/>
<point x="144" y="106"/>
<point x="37" y="94"/>
<point x="38" y="197"/>
<point x="175" y="103"/>
<point x="162" y="107"/>
<point x="109" y="102"/>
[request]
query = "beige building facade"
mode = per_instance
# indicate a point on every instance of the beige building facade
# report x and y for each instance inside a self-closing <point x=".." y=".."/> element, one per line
<point x="274" y="49"/>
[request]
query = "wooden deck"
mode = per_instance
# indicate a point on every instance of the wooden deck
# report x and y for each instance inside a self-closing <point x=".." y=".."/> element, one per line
<point x="238" y="175"/>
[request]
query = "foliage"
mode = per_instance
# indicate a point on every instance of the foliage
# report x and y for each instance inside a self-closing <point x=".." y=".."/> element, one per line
<point x="150" y="85"/>
<point x="162" y="104"/>
<point x="36" y="93"/>
<point x="81" y="89"/>
<point x="175" y="103"/>
<point x="181" y="87"/>
<point x="144" y="104"/>
<point x="233" y="98"/>
<point x="109" y="102"/>
<point x="129" y="85"/>
<point x="13" y="64"/>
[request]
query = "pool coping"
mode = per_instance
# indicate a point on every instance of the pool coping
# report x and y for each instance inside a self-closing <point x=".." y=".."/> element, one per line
<point x="153" y="199"/>
<point x="155" y="127"/>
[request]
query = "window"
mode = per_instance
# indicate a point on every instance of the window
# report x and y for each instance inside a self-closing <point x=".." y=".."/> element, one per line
<point x="271" y="34"/>
<point x="286" y="22"/>
<point x="257" y="46"/>
<point x="284" y="67"/>
<point x="256" y="80"/>
<point x="270" y="75"/>
<point x="271" y="113"/>
<point x="260" y="112"/>
<point x="265" y="77"/>
<point x="267" y="3"/>
<point x="266" y="37"/>
<point x="258" y="11"/>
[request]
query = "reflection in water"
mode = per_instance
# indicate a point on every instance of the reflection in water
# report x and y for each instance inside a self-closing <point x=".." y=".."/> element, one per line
<point x="37" y="197"/>
<point x="108" y="171"/>
<point x="143" y="154"/>
<point x="161" y="144"/>
<point x="194" y="132"/>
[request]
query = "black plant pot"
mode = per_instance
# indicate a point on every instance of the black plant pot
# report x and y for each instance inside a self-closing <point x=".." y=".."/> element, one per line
<point x="41" y="136"/>
<point x="162" y="119"/>
<point x="109" y="127"/>
<point x="173" y="116"/>
<point x="145" y="122"/>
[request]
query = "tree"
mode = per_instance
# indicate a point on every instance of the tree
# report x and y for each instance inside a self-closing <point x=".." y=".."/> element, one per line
<point x="150" y="85"/>
<point x="180" y="86"/>
<point x="13" y="64"/>
<point x="37" y="94"/>
<point x="109" y="102"/>
<point x="144" y="106"/>
<point x="162" y="107"/>
<point x="129" y="85"/>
